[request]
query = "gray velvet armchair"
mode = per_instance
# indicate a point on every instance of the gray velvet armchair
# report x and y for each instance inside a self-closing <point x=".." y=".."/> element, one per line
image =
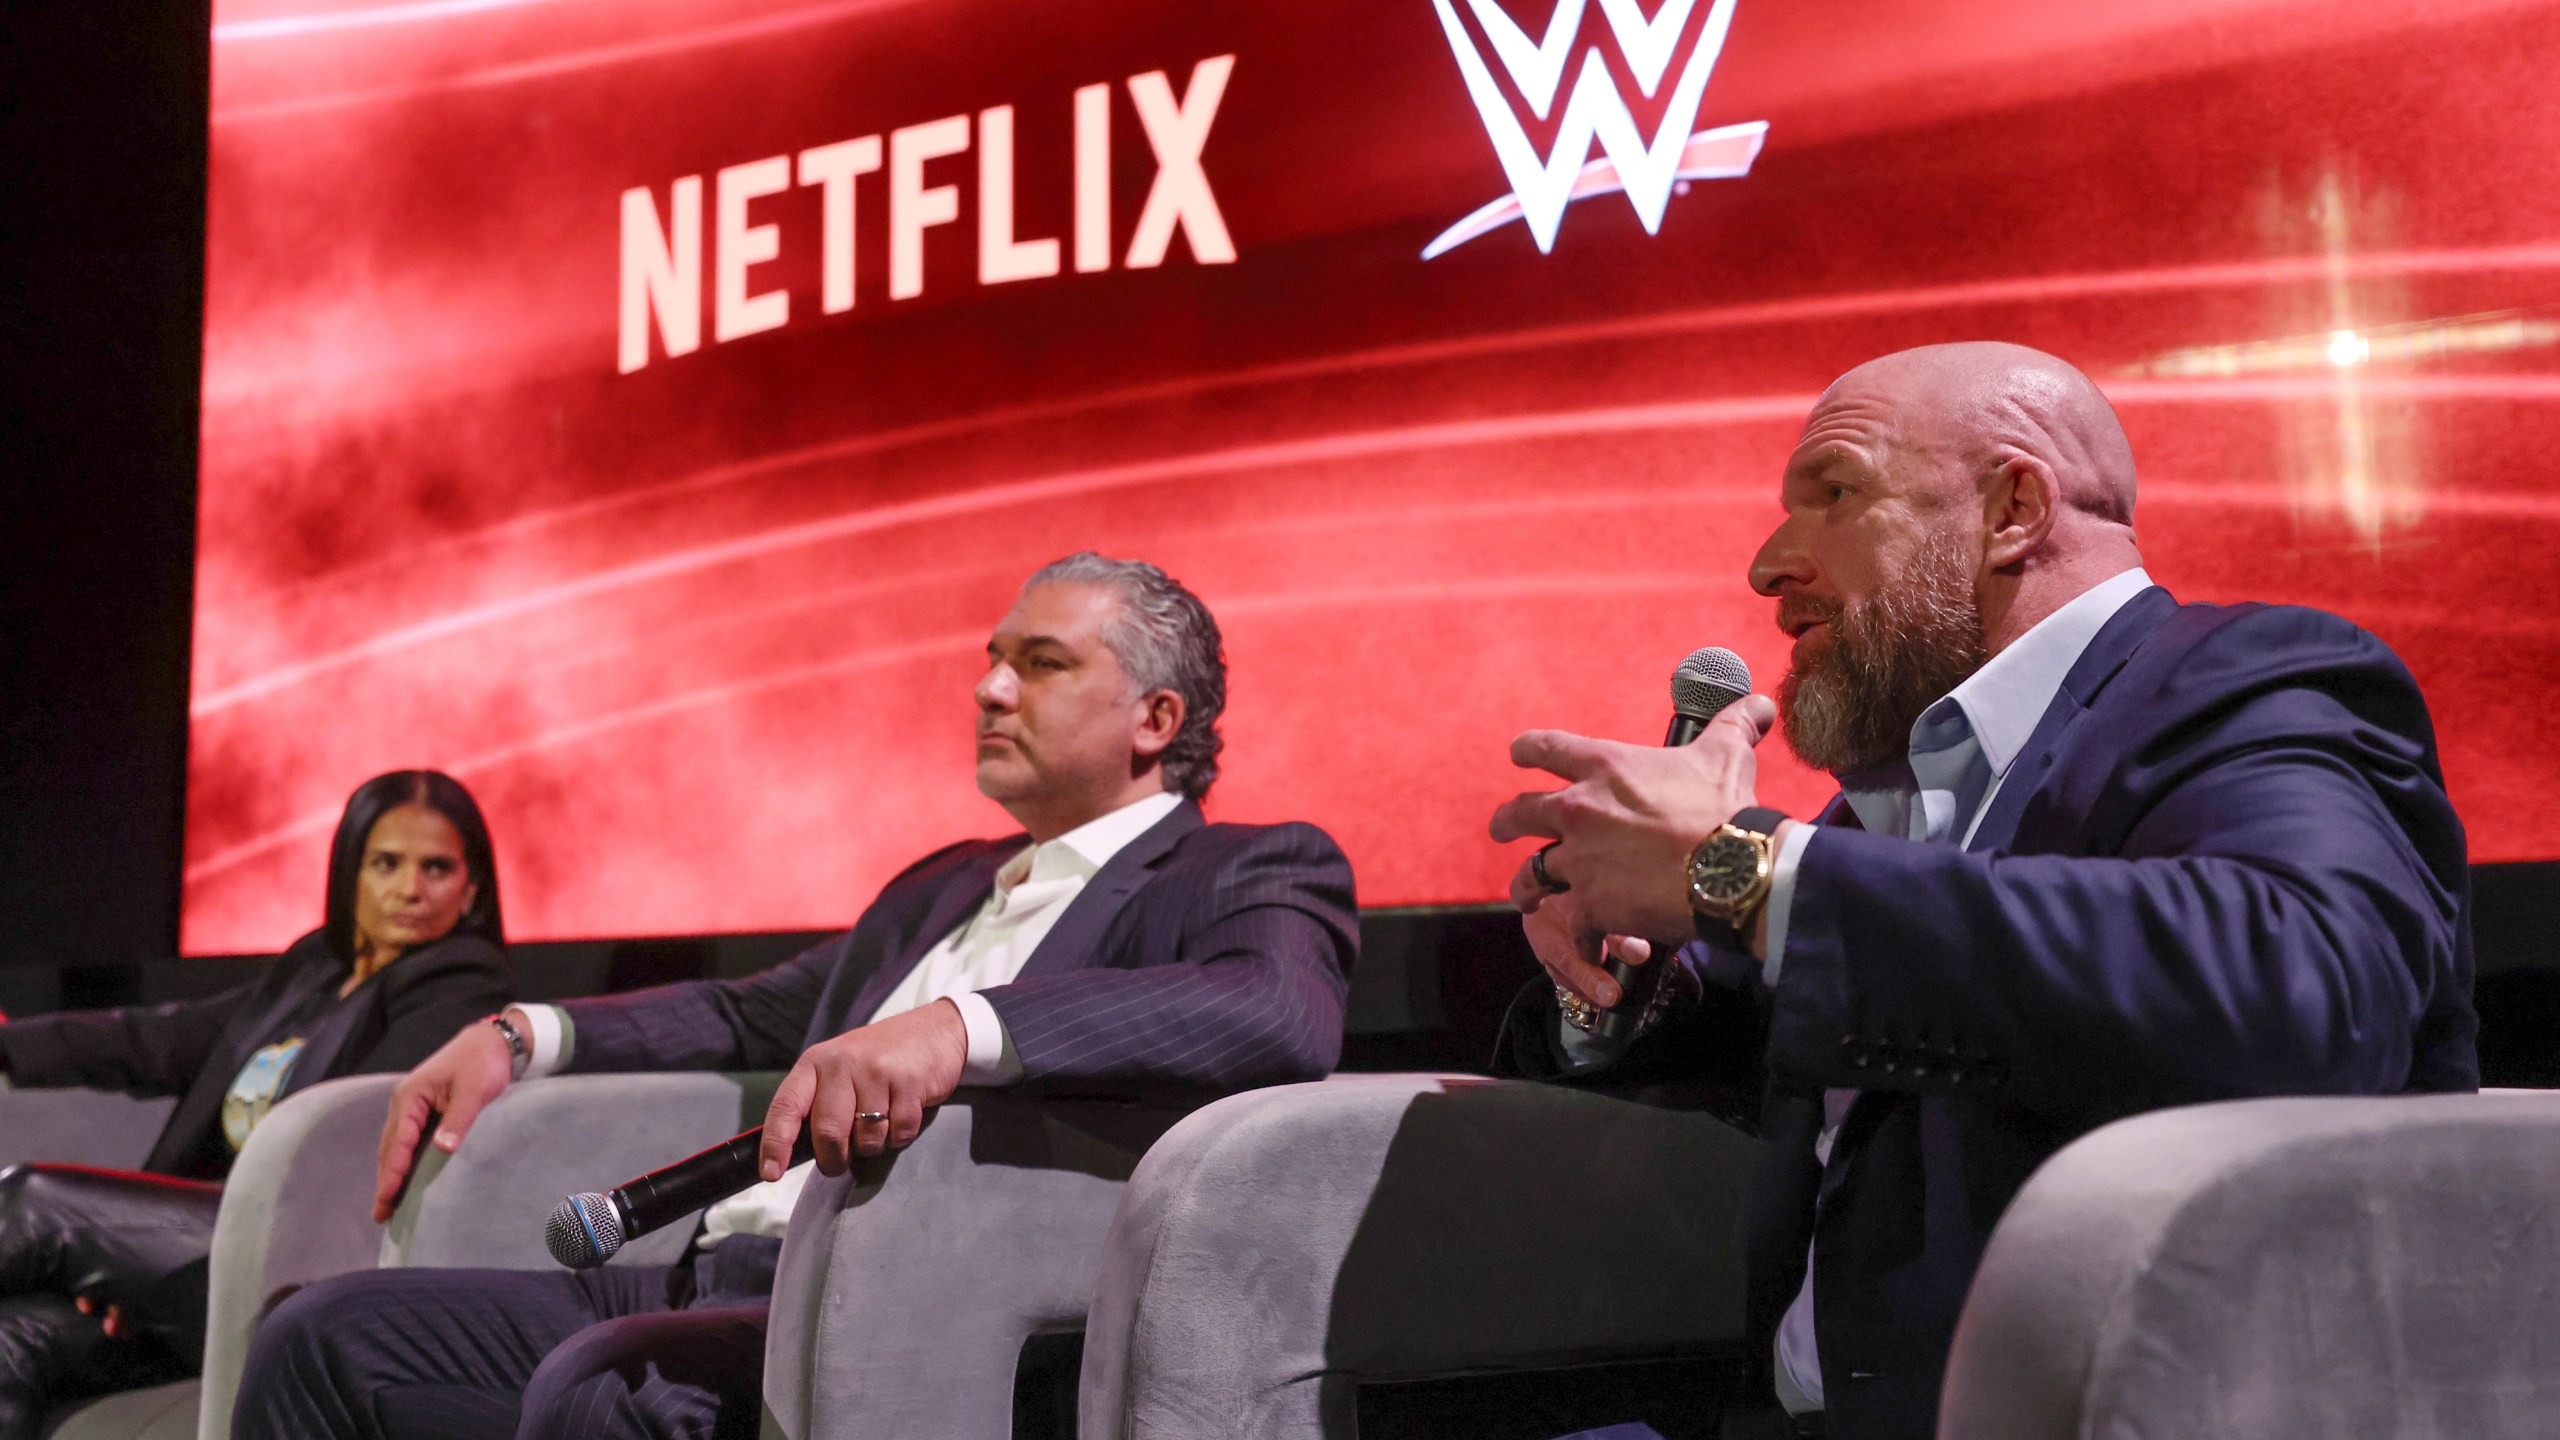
<point x="297" y="1206"/>
<point x="910" y="1284"/>
<point x="1280" y="1247"/>
<point x="2271" y="1268"/>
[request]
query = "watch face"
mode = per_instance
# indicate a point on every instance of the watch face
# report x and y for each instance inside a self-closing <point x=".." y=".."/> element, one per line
<point x="1725" y="869"/>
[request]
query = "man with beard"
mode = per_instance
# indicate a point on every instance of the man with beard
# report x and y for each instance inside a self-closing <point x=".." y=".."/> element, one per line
<point x="2095" y="852"/>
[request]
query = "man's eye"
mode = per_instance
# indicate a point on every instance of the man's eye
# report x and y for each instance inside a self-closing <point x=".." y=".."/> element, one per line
<point x="1837" y="493"/>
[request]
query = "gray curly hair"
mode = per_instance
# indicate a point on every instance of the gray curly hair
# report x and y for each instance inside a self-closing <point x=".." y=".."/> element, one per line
<point x="1166" y="640"/>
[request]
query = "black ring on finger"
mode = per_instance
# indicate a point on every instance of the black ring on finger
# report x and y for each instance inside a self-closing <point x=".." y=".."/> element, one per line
<point x="1538" y="870"/>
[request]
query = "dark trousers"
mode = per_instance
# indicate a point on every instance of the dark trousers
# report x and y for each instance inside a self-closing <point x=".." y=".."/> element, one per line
<point x="134" y="1241"/>
<point x="627" y="1352"/>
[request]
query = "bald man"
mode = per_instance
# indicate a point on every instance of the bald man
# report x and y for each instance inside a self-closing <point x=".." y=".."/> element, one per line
<point x="2095" y="852"/>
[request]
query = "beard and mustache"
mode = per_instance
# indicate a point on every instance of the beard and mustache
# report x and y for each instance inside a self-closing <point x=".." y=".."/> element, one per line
<point x="1850" y="702"/>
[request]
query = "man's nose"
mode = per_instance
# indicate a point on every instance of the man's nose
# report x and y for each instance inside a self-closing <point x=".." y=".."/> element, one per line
<point x="1782" y="558"/>
<point x="996" y="692"/>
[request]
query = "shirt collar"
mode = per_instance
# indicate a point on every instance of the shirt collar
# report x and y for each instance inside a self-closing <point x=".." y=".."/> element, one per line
<point x="2002" y="702"/>
<point x="1087" y="848"/>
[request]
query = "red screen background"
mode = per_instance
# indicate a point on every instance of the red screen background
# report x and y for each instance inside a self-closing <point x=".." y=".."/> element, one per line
<point x="701" y="636"/>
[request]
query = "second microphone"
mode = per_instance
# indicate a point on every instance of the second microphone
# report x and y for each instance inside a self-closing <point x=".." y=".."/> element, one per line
<point x="586" y="1229"/>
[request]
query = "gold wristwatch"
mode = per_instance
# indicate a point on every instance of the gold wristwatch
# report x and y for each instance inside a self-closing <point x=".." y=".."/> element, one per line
<point x="1729" y="877"/>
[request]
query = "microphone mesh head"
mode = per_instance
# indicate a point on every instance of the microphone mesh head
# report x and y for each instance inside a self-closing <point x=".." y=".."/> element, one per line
<point x="1709" y="680"/>
<point x="584" y="1231"/>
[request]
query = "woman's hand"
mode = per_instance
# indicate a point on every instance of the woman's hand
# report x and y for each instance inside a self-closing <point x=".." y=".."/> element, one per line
<point x="114" y="1323"/>
<point x="895" y="1068"/>
<point x="456" y="1082"/>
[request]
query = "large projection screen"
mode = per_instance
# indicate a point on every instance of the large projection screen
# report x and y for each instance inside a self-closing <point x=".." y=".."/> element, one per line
<point x="643" y="409"/>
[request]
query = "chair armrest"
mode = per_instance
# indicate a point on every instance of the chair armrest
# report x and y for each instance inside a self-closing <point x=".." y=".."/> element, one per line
<point x="79" y="1127"/>
<point x="298" y="1206"/>
<point x="2275" y="1268"/>
<point x="908" y="1285"/>
<point x="1279" y="1247"/>
<point x="545" y="1140"/>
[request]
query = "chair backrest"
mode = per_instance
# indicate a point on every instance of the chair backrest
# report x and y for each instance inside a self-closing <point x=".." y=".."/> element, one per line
<point x="912" y="1284"/>
<point x="79" y="1127"/>
<point x="2269" y="1269"/>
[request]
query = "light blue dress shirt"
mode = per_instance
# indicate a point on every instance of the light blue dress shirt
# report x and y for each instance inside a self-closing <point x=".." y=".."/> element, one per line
<point x="1961" y="750"/>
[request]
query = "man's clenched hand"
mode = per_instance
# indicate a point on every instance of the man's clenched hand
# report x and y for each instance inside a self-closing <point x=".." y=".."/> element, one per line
<point x="898" y="1067"/>
<point x="456" y="1082"/>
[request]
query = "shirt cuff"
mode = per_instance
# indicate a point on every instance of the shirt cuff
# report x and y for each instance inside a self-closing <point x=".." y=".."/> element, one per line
<point x="992" y="1060"/>
<point x="549" y="1038"/>
<point x="1782" y="898"/>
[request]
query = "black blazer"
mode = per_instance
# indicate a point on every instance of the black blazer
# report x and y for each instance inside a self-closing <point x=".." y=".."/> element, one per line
<point x="194" y="1048"/>
<point x="1201" y="955"/>
<point x="2224" y="866"/>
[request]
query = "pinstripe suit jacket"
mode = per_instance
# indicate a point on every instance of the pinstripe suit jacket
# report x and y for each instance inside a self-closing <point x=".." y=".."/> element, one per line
<point x="1213" y="955"/>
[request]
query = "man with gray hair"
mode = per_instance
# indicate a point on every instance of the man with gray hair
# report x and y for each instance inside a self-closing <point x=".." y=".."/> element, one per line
<point x="1121" y="939"/>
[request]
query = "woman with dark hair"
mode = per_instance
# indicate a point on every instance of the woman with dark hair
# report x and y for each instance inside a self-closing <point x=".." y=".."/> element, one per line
<point x="102" y="1273"/>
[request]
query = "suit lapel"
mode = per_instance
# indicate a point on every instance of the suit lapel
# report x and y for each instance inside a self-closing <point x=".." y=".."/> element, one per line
<point x="328" y="1038"/>
<point x="957" y="899"/>
<point x="1838" y="812"/>
<point x="2113" y="645"/>
<point x="313" y="973"/>
<point x="305" y="966"/>
<point x="1074" y="942"/>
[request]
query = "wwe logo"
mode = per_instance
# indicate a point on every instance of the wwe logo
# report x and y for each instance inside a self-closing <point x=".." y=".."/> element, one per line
<point x="1543" y="185"/>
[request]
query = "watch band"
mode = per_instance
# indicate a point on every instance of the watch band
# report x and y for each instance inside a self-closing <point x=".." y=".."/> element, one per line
<point x="519" y="1049"/>
<point x="1759" y="820"/>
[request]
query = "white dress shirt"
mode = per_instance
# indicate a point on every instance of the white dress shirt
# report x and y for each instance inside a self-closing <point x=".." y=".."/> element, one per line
<point x="1961" y="750"/>
<point x="989" y="948"/>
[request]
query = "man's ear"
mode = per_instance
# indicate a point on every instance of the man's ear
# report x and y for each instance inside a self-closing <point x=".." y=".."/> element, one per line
<point x="2020" y="503"/>
<point x="1159" y="722"/>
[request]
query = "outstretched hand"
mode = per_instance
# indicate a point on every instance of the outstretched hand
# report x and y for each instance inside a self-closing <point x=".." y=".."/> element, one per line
<point x="895" y="1068"/>
<point x="455" y="1083"/>
<point x="1628" y="817"/>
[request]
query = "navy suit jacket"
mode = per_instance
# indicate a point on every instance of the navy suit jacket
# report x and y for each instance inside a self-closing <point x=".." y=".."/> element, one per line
<point x="2223" y="866"/>
<point x="1200" y="955"/>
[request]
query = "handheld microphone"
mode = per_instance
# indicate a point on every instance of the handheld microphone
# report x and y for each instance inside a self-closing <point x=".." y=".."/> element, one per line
<point x="586" y="1229"/>
<point x="1706" y="682"/>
